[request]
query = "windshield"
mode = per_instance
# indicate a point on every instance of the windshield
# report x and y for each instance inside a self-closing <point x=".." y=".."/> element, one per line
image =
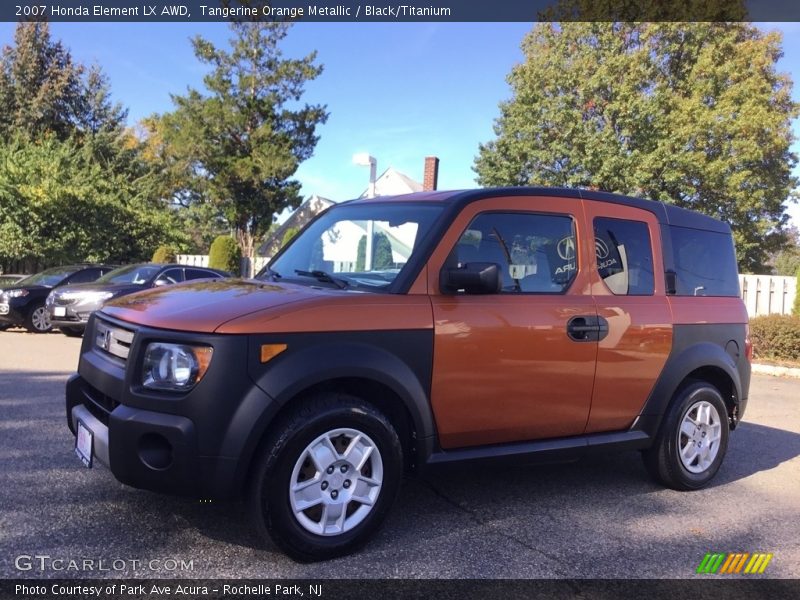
<point x="48" y="277"/>
<point x="136" y="274"/>
<point x="358" y="245"/>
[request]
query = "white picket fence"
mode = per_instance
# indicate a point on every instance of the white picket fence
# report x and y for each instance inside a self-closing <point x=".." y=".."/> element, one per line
<point x="762" y="294"/>
<point x="201" y="260"/>
<point x="768" y="294"/>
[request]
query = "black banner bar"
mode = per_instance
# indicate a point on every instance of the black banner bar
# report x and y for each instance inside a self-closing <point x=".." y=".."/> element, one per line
<point x="399" y="10"/>
<point x="702" y="588"/>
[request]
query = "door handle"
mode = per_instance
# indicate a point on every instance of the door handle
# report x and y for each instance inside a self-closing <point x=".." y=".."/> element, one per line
<point x="587" y="328"/>
<point x="583" y="328"/>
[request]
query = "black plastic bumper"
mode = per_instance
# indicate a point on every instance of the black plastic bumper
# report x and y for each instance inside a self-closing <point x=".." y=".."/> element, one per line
<point x="199" y="444"/>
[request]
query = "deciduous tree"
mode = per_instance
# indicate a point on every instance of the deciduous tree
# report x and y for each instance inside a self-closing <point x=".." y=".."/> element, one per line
<point x="694" y="114"/>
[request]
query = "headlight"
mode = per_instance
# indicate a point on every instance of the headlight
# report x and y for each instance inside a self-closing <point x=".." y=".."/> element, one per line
<point x="15" y="293"/>
<point x="175" y="367"/>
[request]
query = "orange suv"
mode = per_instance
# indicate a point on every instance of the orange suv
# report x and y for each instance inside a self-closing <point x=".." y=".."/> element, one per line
<point x="398" y="334"/>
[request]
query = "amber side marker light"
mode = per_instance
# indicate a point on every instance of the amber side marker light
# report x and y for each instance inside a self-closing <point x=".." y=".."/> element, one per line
<point x="270" y="351"/>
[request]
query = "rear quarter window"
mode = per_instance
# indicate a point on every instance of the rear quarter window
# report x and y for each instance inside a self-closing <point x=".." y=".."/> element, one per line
<point x="705" y="263"/>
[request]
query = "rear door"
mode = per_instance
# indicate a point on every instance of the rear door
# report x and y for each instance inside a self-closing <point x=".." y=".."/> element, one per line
<point x="506" y="367"/>
<point x="628" y="288"/>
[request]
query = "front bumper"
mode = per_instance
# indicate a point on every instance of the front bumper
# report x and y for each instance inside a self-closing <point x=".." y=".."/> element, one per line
<point x="198" y="444"/>
<point x="13" y="312"/>
<point x="71" y="315"/>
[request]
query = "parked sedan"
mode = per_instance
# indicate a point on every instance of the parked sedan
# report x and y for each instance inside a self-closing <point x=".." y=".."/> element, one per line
<point x="23" y="303"/>
<point x="69" y="307"/>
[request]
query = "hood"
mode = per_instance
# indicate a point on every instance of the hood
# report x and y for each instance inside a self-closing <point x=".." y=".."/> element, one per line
<point x="205" y="305"/>
<point x="117" y="288"/>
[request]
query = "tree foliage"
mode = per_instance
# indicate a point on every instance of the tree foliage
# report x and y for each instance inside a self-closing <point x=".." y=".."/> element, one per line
<point x="381" y="252"/>
<point x="73" y="182"/>
<point x="225" y="255"/>
<point x="693" y="114"/>
<point x="288" y="235"/>
<point x="58" y="204"/>
<point x="238" y="144"/>
<point x="164" y="254"/>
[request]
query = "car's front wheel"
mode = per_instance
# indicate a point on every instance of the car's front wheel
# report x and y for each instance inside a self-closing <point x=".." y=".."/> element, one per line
<point x="693" y="440"/>
<point x="326" y="478"/>
<point x="38" y="320"/>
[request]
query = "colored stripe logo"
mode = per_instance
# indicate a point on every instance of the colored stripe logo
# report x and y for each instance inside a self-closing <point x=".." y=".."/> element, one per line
<point x="734" y="563"/>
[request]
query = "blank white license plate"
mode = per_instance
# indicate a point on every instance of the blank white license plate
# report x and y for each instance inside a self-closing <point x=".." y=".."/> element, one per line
<point x="59" y="311"/>
<point x="83" y="444"/>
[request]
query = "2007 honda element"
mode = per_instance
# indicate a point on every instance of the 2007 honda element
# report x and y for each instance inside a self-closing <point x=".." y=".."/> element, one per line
<point x="395" y="334"/>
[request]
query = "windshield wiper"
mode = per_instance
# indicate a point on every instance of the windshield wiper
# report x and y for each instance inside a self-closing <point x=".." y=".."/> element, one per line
<point x="323" y="276"/>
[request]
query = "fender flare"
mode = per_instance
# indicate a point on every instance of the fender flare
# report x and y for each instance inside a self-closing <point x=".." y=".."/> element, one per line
<point x="316" y="364"/>
<point x="676" y="369"/>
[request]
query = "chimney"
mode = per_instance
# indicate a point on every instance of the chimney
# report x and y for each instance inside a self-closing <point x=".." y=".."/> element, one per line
<point x="430" y="179"/>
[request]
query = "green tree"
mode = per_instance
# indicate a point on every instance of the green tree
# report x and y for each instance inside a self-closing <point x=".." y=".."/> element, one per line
<point x="693" y="114"/>
<point x="288" y="235"/>
<point x="381" y="252"/>
<point x="43" y="91"/>
<point x="796" y="307"/>
<point x="58" y="204"/>
<point x="164" y="254"/>
<point x="238" y="145"/>
<point x="225" y="255"/>
<point x="787" y="260"/>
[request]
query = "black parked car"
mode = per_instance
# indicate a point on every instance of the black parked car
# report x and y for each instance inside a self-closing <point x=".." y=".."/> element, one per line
<point x="69" y="307"/>
<point x="23" y="302"/>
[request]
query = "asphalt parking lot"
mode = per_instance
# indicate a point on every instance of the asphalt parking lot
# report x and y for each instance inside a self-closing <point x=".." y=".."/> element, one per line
<point x="601" y="517"/>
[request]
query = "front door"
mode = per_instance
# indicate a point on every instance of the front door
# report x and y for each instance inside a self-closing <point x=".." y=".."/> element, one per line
<point x="516" y="365"/>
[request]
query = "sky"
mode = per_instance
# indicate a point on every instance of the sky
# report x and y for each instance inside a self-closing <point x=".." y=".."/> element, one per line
<point x="399" y="91"/>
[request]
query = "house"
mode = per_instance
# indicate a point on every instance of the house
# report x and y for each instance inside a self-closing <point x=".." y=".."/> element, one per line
<point x="391" y="183"/>
<point x="302" y="215"/>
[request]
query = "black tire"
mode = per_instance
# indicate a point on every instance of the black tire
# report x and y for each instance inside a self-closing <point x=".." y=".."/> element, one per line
<point x="268" y="495"/>
<point x="663" y="460"/>
<point x="71" y="331"/>
<point x="34" y="322"/>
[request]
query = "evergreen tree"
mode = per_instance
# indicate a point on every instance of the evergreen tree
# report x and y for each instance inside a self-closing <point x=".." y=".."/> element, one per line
<point x="238" y="145"/>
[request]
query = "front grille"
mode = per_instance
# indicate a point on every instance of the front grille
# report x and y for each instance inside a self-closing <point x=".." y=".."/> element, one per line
<point x="112" y="339"/>
<point x="60" y="301"/>
<point x="100" y="405"/>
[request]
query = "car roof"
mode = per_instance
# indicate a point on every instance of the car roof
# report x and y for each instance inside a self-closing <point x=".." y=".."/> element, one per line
<point x="667" y="214"/>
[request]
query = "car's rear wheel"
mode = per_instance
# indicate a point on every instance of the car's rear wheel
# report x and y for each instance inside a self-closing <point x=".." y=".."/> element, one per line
<point x="693" y="440"/>
<point x="327" y="477"/>
<point x="71" y="331"/>
<point x="38" y="320"/>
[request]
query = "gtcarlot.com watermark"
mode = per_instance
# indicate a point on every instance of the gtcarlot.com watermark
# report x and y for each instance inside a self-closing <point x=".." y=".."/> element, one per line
<point x="46" y="563"/>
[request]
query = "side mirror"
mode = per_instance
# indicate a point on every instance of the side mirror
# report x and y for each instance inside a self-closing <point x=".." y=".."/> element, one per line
<point x="162" y="281"/>
<point x="472" y="278"/>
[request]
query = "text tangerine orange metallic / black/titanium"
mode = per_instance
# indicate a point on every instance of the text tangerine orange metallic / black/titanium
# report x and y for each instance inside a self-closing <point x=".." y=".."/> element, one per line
<point x="401" y="334"/>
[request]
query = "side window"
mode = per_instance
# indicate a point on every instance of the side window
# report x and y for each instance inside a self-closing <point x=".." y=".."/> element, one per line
<point x="199" y="274"/>
<point x="705" y="262"/>
<point x="624" y="256"/>
<point x="85" y="276"/>
<point x="535" y="252"/>
<point x="172" y="275"/>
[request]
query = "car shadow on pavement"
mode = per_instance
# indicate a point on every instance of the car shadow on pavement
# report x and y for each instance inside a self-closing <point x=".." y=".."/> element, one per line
<point x="753" y="448"/>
